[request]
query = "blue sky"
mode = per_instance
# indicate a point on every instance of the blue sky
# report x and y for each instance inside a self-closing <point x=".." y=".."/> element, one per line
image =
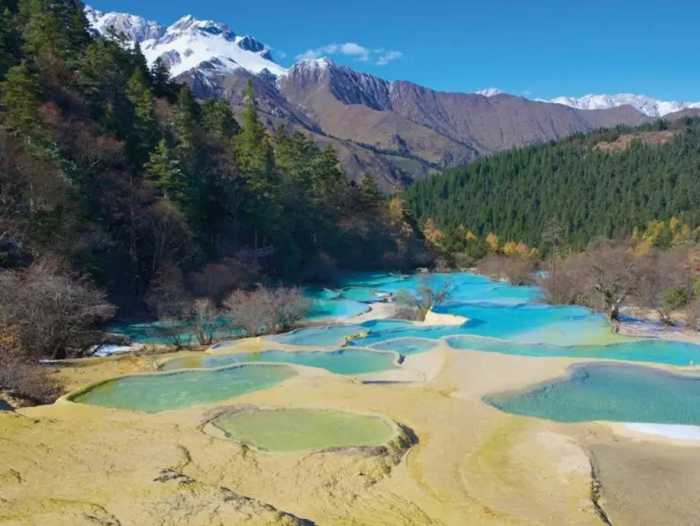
<point x="536" y="48"/>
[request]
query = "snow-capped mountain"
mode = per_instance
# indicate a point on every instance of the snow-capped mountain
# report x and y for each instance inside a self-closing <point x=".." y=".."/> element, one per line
<point x="647" y="105"/>
<point x="135" y="28"/>
<point x="397" y="131"/>
<point x="189" y="43"/>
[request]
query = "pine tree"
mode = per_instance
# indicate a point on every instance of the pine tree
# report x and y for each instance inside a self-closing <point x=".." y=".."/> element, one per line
<point x="55" y="33"/>
<point x="19" y="100"/>
<point x="218" y="119"/>
<point x="254" y="152"/>
<point x="160" y="79"/>
<point x="370" y="195"/>
<point x="9" y="41"/>
<point x="185" y="122"/>
<point x="164" y="172"/>
<point x="144" y="125"/>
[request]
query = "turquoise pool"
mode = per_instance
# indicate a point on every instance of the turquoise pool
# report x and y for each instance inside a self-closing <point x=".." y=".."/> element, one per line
<point x="347" y="362"/>
<point x="166" y="391"/>
<point x="652" y="351"/>
<point x="501" y="319"/>
<point x="612" y="392"/>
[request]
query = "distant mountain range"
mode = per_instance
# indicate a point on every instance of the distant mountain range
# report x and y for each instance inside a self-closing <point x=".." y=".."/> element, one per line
<point x="397" y="131"/>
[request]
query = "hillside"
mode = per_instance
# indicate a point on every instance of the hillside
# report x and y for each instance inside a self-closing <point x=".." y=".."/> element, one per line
<point x="601" y="184"/>
<point x="109" y="170"/>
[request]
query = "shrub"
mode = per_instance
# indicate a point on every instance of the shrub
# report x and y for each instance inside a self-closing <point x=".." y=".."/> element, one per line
<point x="53" y="312"/>
<point x="518" y="270"/>
<point x="22" y="378"/>
<point x="266" y="310"/>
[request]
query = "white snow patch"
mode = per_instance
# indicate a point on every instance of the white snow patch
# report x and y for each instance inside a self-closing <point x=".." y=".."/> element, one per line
<point x="489" y="92"/>
<point x="672" y="431"/>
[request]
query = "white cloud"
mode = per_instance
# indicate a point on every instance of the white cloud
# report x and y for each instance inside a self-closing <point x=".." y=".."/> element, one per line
<point x="379" y="56"/>
<point x="387" y="56"/>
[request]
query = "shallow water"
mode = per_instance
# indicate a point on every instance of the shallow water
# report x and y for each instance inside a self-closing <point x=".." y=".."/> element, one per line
<point x="159" y="333"/>
<point x="300" y="429"/>
<point x="613" y="392"/>
<point x="652" y="351"/>
<point x="406" y="345"/>
<point x="501" y="318"/>
<point x="163" y="392"/>
<point x="346" y="362"/>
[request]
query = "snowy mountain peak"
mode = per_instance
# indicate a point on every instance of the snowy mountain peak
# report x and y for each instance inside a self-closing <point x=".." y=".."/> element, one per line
<point x="489" y="92"/>
<point x="646" y="105"/>
<point x="134" y="28"/>
<point x="190" y="24"/>
<point x="189" y="44"/>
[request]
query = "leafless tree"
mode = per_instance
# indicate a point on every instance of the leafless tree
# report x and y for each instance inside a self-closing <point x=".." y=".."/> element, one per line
<point x="417" y="305"/>
<point x="517" y="270"/>
<point x="53" y="312"/>
<point x="24" y="378"/>
<point x="663" y="281"/>
<point x="204" y="320"/>
<point x="266" y="310"/>
<point x="170" y="301"/>
<point x="216" y="280"/>
<point x="603" y="278"/>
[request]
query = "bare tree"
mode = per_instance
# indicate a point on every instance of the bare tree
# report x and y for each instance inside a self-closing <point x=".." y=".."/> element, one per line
<point x="663" y="282"/>
<point x="25" y="379"/>
<point x="517" y="270"/>
<point x="53" y="312"/>
<point x="427" y="296"/>
<point x="204" y="320"/>
<point x="266" y="310"/>
<point x="603" y="278"/>
<point x="170" y="301"/>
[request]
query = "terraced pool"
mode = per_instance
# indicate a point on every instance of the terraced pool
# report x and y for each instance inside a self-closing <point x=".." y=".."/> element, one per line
<point x="304" y="429"/>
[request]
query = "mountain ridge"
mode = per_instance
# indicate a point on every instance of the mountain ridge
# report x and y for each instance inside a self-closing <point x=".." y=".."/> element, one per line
<point x="397" y="131"/>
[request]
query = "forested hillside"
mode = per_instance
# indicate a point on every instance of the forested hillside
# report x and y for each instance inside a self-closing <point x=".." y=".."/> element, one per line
<point x="121" y="176"/>
<point x="603" y="184"/>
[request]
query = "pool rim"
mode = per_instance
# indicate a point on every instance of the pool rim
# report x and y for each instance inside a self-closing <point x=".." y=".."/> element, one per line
<point x="397" y="429"/>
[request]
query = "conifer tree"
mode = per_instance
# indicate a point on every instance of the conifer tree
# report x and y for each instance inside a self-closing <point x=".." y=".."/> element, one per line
<point x="185" y="123"/>
<point x="370" y="194"/>
<point x="253" y="149"/>
<point x="163" y="170"/>
<point x="54" y="33"/>
<point x="9" y="41"/>
<point x="19" y="100"/>
<point x="218" y="119"/>
<point x="144" y="125"/>
<point x="160" y="79"/>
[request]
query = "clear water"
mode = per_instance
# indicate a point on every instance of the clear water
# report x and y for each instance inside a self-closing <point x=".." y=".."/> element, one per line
<point x="344" y="361"/>
<point x="619" y="393"/>
<point x="501" y="318"/>
<point x="164" y="392"/>
<point x="301" y="429"/>
<point x="156" y="332"/>
<point x="333" y="335"/>
<point x="406" y="345"/>
<point x="652" y="351"/>
<point x="327" y="303"/>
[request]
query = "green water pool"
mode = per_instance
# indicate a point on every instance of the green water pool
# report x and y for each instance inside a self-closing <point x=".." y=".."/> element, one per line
<point x="347" y="362"/>
<point x="304" y="429"/>
<point x="612" y="392"/>
<point x="176" y="390"/>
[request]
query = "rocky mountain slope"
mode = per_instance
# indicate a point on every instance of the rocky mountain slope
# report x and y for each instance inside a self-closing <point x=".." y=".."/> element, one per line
<point x="396" y="131"/>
